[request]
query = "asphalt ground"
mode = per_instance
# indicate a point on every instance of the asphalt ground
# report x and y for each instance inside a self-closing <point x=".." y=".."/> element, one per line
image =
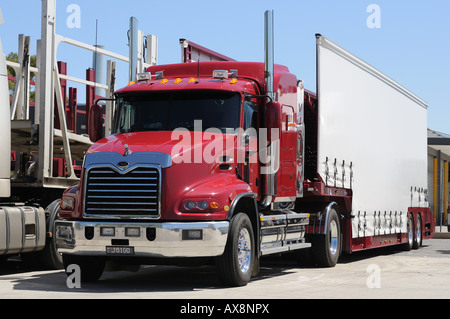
<point x="376" y="274"/>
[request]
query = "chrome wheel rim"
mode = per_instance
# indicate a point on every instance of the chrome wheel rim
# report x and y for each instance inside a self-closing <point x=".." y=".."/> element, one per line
<point x="244" y="250"/>
<point x="410" y="231"/>
<point x="334" y="240"/>
<point x="418" y="230"/>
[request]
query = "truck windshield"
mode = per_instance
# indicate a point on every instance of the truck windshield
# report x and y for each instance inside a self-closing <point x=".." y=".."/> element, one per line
<point x="171" y="110"/>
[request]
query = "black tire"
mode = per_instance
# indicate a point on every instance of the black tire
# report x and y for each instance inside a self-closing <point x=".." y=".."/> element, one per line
<point x="418" y="233"/>
<point x="236" y="264"/>
<point x="410" y="231"/>
<point x="326" y="248"/>
<point x="91" y="268"/>
<point x="50" y="257"/>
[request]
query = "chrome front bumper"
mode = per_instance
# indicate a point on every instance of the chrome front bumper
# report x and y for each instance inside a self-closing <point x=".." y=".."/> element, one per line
<point x="196" y="239"/>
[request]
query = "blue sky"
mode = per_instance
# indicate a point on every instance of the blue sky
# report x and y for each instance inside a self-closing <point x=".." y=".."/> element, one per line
<point x="411" y="46"/>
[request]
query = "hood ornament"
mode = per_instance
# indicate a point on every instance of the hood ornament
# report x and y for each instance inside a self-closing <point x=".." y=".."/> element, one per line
<point x="127" y="150"/>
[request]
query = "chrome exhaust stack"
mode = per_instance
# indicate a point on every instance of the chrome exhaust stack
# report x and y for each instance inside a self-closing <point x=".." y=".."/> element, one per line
<point x="269" y="177"/>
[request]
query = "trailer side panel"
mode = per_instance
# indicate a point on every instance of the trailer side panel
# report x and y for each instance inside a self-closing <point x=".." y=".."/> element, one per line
<point x="372" y="138"/>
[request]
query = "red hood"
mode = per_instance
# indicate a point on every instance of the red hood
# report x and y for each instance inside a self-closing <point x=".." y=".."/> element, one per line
<point x="160" y="141"/>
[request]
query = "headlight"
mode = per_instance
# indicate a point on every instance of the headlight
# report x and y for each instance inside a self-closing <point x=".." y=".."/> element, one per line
<point x="67" y="203"/>
<point x="200" y="206"/>
<point x="189" y="205"/>
<point x="203" y="205"/>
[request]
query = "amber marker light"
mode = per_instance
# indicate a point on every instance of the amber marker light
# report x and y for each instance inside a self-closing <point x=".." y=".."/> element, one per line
<point x="164" y="81"/>
<point x="214" y="205"/>
<point x="178" y="80"/>
<point x="233" y="81"/>
<point x="131" y="83"/>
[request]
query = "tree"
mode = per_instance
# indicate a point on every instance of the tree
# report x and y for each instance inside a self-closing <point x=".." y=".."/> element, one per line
<point x="13" y="56"/>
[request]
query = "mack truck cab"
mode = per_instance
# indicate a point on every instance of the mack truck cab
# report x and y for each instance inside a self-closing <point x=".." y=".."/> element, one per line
<point x="202" y="164"/>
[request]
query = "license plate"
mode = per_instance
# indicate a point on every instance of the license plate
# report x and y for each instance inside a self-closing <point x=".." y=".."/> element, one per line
<point x="120" y="250"/>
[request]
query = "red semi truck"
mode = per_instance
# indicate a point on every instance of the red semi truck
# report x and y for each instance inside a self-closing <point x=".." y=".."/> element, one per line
<point x="228" y="161"/>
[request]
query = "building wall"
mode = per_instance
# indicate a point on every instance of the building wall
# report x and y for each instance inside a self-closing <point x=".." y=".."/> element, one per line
<point x="438" y="192"/>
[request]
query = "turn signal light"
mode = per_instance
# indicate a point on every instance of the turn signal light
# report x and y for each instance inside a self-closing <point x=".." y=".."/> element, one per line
<point x="214" y="205"/>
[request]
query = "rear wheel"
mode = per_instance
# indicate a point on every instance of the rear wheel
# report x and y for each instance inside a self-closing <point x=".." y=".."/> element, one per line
<point x="236" y="264"/>
<point x="418" y="233"/>
<point x="326" y="248"/>
<point x="409" y="245"/>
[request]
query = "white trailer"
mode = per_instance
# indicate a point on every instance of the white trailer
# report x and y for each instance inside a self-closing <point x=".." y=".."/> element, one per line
<point x="372" y="139"/>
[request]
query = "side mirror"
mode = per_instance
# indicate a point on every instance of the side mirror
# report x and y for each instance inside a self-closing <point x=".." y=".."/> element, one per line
<point x="273" y="119"/>
<point x="94" y="123"/>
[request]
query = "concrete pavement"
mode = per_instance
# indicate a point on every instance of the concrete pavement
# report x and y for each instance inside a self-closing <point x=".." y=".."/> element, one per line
<point x="442" y="232"/>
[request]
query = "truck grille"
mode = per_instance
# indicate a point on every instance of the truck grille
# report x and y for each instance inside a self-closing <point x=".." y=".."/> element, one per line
<point x="110" y="193"/>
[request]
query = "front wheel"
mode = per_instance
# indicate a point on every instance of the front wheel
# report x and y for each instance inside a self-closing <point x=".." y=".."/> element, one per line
<point x="235" y="266"/>
<point x="50" y="256"/>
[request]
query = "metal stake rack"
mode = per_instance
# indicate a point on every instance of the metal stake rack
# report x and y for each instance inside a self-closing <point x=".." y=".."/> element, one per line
<point x="40" y="136"/>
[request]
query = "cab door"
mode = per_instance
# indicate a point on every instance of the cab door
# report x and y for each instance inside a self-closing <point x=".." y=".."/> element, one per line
<point x="250" y="167"/>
